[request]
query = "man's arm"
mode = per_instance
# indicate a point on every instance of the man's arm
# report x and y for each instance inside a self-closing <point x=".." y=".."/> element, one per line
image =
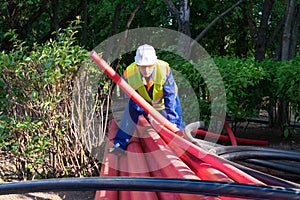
<point x="169" y="89"/>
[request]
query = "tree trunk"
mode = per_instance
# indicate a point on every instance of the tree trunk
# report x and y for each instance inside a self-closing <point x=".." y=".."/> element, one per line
<point x="288" y="53"/>
<point x="287" y="32"/>
<point x="116" y="19"/>
<point x="294" y="32"/>
<point x="182" y="16"/>
<point x="261" y="40"/>
<point x="55" y="21"/>
<point x="184" y="27"/>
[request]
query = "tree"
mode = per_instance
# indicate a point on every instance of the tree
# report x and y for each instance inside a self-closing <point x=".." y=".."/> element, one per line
<point x="261" y="34"/>
<point x="290" y="31"/>
<point x="182" y="15"/>
<point x="288" y="52"/>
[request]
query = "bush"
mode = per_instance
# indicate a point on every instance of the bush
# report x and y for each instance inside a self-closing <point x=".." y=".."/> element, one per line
<point x="243" y="80"/>
<point x="35" y="106"/>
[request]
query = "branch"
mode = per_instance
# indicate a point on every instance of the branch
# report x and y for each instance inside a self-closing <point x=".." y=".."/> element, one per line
<point x="275" y="33"/>
<point x="251" y="22"/>
<point x="37" y="14"/>
<point x="215" y="21"/>
<point x="128" y="25"/>
<point x="173" y="9"/>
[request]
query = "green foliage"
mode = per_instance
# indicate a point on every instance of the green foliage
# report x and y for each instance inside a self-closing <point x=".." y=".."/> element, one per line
<point x="288" y="80"/>
<point x="35" y="107"/>
<point x="190" y="85"/>
<point x="242" y="79"/>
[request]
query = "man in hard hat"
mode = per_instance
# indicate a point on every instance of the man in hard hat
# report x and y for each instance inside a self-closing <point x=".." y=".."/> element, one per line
<point x="153" y="80"/>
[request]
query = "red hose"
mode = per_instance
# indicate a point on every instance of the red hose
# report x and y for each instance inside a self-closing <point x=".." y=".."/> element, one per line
<point x="131" y="92"/>
<point x="203" y="170"/>
<point x="123" y="171"/>
<point x="137" y="167"/>
<point x="109" y="166"/>
<point x="157" y="173"/>
<point x="225" y="137"/>
<point x="230" y="134"/>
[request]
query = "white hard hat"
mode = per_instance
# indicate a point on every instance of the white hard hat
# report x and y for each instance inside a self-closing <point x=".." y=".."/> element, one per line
<point x="145" y="55"/>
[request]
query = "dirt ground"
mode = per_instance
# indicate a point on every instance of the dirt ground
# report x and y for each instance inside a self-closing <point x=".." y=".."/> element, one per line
<point x="251" y="131"/>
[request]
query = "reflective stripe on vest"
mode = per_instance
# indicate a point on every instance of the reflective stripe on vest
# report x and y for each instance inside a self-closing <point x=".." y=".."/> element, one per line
<point x="135" y="80"/>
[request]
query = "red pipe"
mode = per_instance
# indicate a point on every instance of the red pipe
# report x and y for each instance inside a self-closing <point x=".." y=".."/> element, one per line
<point x="214" y="161"/>
<point x="109" y="166"/>
<point x="225" y="137"/>
<point x="131" y="92"/>
<point x="137" y="167"/>
<point x="203" y="170"/>
<point x="123" y="171"/>
<point x="230" y="134"/>
<point x="159" y="174"/>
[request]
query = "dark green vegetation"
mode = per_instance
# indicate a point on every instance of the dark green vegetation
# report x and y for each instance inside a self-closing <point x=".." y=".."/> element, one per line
<point x="43" y="44"/>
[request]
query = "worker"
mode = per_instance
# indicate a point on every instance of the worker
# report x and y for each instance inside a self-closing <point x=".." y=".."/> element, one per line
<point x="153" y="80"/>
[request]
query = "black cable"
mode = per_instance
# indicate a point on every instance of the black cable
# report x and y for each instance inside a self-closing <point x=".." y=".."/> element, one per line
<point x="265" y="178"/>
<point x="276" y="165"/>
<point x="243" y="155"/>
<point x="154" y="185"/>
<point x="231" y="149"/>
<point x="288" y="176"/>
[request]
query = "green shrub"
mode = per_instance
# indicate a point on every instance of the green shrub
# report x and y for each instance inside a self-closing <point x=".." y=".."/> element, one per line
<point x="288" y="81"/>
<point x="243" y="80"/>
<point x="36" y="105"/>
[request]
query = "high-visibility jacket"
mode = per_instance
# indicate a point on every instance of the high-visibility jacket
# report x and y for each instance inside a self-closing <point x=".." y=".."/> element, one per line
<point x="134" y="79"/>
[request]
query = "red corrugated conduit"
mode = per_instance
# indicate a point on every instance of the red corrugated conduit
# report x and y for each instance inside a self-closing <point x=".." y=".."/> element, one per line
<point x="137" y="167"/>
<point x="109" y="166"/>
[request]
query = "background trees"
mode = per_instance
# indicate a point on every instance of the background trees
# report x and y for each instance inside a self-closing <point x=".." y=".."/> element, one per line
<point x="264" y="27"/>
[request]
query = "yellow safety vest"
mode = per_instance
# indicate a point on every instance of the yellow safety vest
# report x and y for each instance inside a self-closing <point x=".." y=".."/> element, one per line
<point x="135" y="81"/>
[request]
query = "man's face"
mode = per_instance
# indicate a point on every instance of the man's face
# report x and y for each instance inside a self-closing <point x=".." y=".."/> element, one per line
<point x="146" y="71"/>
